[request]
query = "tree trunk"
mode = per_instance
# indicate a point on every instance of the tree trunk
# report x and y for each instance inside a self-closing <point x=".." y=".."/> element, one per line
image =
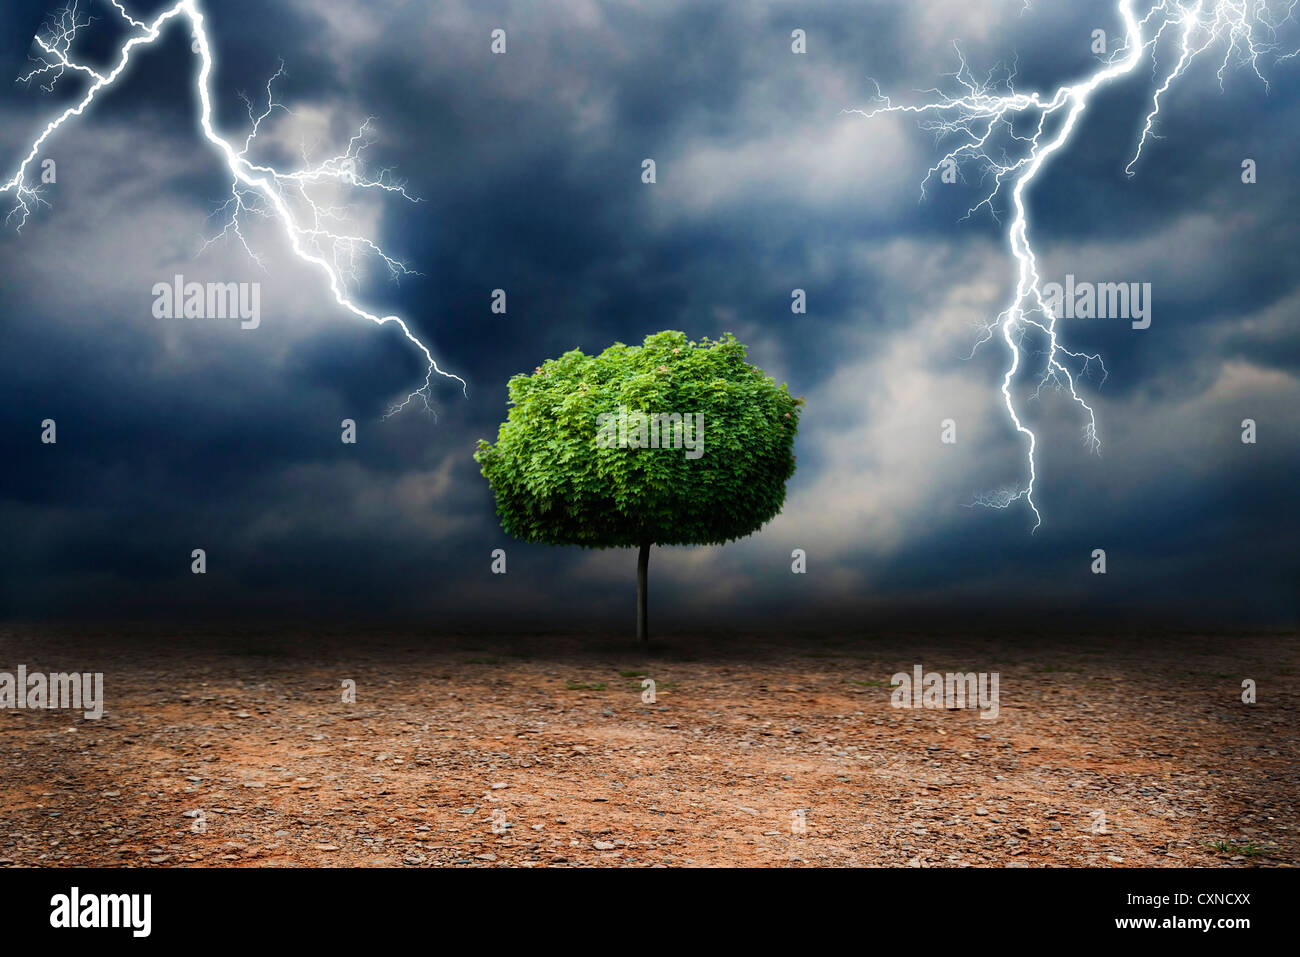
<point x="642" y="567"/>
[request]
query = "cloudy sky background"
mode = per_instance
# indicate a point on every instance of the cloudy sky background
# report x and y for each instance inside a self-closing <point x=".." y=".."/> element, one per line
<point x="177" y="435"/>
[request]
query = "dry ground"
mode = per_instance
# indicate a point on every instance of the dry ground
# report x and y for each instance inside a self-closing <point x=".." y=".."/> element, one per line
<point x="538" y="751"/>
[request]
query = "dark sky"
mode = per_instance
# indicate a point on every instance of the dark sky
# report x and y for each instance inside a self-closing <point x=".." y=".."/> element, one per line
<point x="177" y="435"/>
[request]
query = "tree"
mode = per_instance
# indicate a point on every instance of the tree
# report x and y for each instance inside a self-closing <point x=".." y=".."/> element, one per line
<point x="671" y="442"/>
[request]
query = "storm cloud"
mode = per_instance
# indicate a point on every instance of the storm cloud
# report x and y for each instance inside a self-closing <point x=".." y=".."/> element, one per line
<point x="174" y="436"/>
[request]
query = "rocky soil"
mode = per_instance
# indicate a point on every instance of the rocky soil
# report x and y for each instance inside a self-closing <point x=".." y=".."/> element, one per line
<point x="238" y="749"/>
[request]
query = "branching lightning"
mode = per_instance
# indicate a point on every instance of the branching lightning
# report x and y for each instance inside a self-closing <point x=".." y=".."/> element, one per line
<point x="990" y="116"/>
<point x="315" y="232"/>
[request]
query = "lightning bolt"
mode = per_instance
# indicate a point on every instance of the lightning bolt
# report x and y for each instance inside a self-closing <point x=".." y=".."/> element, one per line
<point x="1026" y="129"/>
<point x="312" y="230"/>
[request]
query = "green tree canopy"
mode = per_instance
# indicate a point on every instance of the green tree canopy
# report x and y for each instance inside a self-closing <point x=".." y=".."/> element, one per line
<point x="560" y="479"/>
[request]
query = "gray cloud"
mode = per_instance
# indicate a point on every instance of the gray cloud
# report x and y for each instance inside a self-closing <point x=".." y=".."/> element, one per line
<point x="174" y="436"/>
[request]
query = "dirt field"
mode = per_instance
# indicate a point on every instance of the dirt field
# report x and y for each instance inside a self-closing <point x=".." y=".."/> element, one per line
<point x="236" y="749"/>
